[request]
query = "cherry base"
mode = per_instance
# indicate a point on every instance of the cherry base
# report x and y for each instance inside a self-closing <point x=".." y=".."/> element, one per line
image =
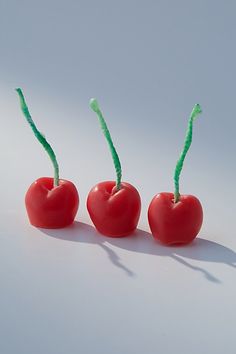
<point x="115" y="235"/>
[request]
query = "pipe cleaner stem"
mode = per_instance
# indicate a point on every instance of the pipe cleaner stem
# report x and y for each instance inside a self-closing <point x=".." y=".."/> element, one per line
<point x="188" y="140"/>
<point x="95" y="107"/>
<point x="39" y="136"/>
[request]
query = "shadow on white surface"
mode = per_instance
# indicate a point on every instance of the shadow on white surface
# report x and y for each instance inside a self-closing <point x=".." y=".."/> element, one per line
<point x="200" y="250"/>
<point x="142" y="242"/>
<point x="84" y="233"/>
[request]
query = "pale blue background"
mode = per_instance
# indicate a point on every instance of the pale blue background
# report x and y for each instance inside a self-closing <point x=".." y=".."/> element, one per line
<point x="148" y="63"/>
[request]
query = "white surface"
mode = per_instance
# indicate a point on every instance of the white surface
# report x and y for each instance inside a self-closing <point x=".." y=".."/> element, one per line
<point x="75" y="291"/>
<point x="147" y="62"/>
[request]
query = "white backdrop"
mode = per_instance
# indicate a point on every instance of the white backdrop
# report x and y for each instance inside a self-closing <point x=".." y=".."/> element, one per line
<point x="148" y="62"/>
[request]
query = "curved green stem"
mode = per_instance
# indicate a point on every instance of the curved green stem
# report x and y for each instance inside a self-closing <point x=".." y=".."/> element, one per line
<point x="188" y="140"/>
<point x="39" y="136"/>
<point x="95" y="107"/>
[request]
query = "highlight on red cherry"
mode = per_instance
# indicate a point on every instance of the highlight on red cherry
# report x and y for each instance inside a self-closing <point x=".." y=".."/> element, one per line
<point x="176" y="218"/>
<point x="114" y="206"/>
<point x="50" y="202"/>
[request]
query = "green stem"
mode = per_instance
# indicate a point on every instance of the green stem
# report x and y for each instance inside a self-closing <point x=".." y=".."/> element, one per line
<point x="39" y="136"/>
<point x="95" y="107"/>
<point x="188" y="140"/>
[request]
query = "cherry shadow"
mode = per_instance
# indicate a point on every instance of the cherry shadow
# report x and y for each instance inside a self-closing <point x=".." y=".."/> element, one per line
<point x="200" y="250"/>
<point x="142" y="242"/>
<point x="84" y="233"/>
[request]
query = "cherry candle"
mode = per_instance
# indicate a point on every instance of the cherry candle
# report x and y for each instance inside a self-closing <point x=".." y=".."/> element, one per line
<point x="50" y="202"/>
<point x="114" y="206"/>
<point x="175" y="218"/>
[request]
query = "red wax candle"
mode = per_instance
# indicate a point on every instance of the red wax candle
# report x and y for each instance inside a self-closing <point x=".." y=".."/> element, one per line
<point x="175" y="218"/>
<point x="50" y="202"/>
<point x="114" y="207"/>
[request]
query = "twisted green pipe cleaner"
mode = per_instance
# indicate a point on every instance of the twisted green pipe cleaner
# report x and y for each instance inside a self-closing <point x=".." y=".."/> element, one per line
<point x="39" y="136"/>
<point x="95" y="107"/>
<point x="188" y="140"/>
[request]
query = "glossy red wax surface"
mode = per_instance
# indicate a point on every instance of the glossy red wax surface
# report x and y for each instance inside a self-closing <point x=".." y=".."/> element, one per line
<point x="51" y="207"/>
<point x="175" y="223"/>
<point x="114" y="213"/>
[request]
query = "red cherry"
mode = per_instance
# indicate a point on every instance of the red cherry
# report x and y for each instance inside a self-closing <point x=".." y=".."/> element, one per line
<point x="51" y="207"/>
<point x="175" y="223"/>
<point x="176" y="218"/>
<point x="114" y="212"/>
<point x="50" y="202"/>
